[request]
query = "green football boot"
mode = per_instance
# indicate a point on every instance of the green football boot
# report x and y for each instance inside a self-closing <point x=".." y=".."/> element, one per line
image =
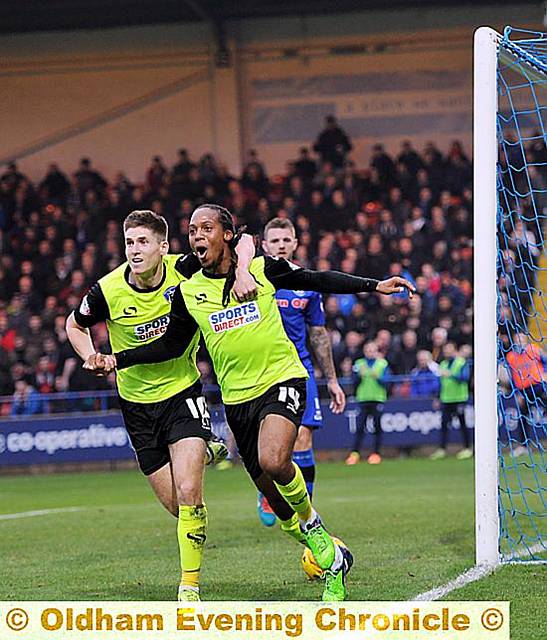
<point x="188" y="594"/>
<point x="335" y="581"/>
<point x="319" y="542"/>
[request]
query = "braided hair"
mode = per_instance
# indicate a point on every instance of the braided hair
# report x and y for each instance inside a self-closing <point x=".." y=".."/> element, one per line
<point x="227" y="222"/>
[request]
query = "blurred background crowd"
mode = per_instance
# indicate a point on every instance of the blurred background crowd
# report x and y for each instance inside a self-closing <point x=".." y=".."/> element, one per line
<point x="407" y="213"/>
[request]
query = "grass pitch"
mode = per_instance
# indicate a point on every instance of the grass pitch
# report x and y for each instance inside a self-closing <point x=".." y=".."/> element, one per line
<point x="409" y="524"/>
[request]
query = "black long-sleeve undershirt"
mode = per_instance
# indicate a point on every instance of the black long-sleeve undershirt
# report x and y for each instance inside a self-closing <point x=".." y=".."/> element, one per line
<point x="281" y="273"/>
<point x="284" y="275"/>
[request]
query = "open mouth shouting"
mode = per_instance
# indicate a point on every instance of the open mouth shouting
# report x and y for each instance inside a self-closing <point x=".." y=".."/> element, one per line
<point x="201" y="252"/>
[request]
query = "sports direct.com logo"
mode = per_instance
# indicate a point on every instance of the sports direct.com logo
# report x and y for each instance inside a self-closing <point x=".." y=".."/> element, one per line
<point x="234" y="317"/>
<point x="151" y="329"/>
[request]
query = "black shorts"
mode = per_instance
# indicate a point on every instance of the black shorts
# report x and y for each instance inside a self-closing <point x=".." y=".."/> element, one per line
<point x="287" y="399"/>
<point x="153" y="426"/>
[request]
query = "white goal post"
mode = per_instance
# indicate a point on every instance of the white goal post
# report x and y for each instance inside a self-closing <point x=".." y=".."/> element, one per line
<point x="485" y="148"/>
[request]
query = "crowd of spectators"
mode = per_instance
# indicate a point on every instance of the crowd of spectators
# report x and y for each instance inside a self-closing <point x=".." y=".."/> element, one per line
<point x="409" y="213"/>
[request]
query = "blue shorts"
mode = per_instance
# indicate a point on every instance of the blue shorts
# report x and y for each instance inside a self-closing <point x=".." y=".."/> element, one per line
<point x="312" y="417"/>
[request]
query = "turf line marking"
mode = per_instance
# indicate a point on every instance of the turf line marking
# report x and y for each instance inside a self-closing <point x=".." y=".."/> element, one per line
<point x="472" y="575"/>
<point x="40" y="512"/>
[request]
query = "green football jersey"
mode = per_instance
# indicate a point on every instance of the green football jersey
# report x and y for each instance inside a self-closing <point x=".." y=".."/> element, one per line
<point x="138" y="317"/>
<point x="246" y="341"/>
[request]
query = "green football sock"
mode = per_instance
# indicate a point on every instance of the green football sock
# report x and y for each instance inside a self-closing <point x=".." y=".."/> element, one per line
<point x="292" y="528"/>
<point x="191" y="533"/>
<point x="296" y="494"/>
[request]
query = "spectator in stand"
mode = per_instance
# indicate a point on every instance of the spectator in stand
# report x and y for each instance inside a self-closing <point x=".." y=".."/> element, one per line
<point x="45" y="375"/>
<point x="333" y="144"/>
<point x="6" y="382"/>
<point x="405" y="359"/>
<point x="26" y="400"/>
<point x="454" y="375"/>
<point x="384" y="344"/>
<point x="254" y="179"/>
<point x="398" y="205"/>
<point x="34" y="339"/>
<point x="388" y="230"/>
<point x="183" y="165"/>
<point x="371" y="393"/>
<point x="87" y="179"/>
<point x="254" y="163"/>
<point x="45" y="240"/>
<point x="434" y="166"/>
<point x="55" y="186"/>
<point x="377" y="257"/>
<point x="458" y="171"/>
<point x="155" y="175"/>
<point x="305" y="168"/>
<point x="410" y="159"/>
<point x="526" y="363"/>
<point x="439" y="337"/>
<point x="384" y="165"/>
<point x="30" y="298"/>
<point x="372" y="188"/>
<point x="207" y="166"/>
<point x="12" y="177"/>
<point x="123" y="187"/>
<point x="425" y="380"/>
<point x="353" y="345"/>
<point x="7" y="333"/>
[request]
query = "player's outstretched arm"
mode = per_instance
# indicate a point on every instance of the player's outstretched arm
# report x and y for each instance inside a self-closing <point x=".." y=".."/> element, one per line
<point x="174" y="342"/>
<point x="285" y="275"/>
<point x="245" y="287"/>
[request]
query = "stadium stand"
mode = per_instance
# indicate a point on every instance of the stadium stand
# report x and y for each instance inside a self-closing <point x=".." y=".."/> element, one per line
<point x="407" y="214"/>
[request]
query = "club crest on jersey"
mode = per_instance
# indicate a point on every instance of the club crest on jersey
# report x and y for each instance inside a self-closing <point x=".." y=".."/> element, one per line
<point x="169" y="293"/>
<point x="234" y="317"/>
<point x="85" y="310"/>
<point x="151" y="329"/>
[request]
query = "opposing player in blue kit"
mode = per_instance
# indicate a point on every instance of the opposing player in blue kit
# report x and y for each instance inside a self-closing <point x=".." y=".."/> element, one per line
<point x="304" y="320"/>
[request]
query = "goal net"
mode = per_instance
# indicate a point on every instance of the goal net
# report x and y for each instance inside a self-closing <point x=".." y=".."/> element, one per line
<point x="520" y="302"/>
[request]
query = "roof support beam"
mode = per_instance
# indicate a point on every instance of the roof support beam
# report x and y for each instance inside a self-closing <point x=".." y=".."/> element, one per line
<point x="222" y="54"/>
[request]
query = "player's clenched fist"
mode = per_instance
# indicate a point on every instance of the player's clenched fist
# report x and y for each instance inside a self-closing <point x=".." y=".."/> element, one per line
<point x="245" y="287"/>
<point x="100" y="364"/>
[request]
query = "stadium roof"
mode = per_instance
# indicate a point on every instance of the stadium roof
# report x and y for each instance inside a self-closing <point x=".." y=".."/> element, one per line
<point x="47" y="15"/>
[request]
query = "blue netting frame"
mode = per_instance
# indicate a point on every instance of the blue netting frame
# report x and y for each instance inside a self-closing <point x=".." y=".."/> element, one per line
<point x="522" y="310"/>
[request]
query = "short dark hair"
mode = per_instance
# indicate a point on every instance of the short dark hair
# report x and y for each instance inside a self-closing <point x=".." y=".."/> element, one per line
<point x="279" y="223"/>
<point x="148" y="220"/>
